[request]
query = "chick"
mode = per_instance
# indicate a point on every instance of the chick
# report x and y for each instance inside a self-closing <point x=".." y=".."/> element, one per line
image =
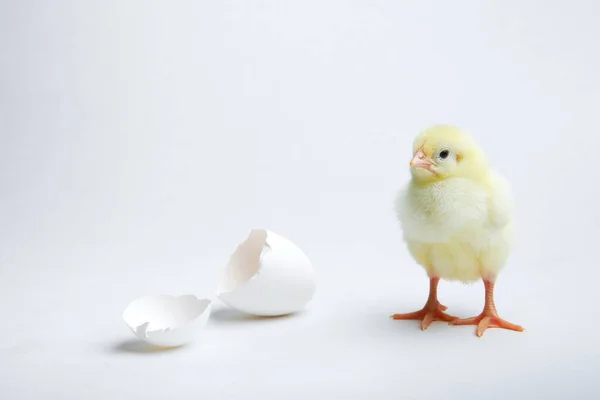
<point x="456" y="215"/>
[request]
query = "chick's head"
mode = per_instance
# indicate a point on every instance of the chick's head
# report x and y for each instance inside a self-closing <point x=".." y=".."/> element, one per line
<point x="443" y="152"/>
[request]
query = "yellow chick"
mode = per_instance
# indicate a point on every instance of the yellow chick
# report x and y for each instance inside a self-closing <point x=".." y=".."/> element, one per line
<point x="456" y="215"/>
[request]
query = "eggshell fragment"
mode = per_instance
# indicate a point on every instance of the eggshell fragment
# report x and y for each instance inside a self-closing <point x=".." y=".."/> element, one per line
<point x="167" y="321"/>
<point x="268" y="275"/>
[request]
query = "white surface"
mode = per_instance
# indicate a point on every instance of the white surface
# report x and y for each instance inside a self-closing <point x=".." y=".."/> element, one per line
<point x="140" y="140"/>
<point x="268" y="275"/>
<point x="167" y="321"/>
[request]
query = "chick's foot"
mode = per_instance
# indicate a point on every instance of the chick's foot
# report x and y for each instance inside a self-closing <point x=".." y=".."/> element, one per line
<point x="487" y="320"/>
<point x="489" y="316"/>
<point x="426" y="315"/>
<point x="432" y="311"/>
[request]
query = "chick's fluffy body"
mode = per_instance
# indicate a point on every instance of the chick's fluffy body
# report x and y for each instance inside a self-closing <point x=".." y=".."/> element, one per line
<point x="460" y="227"/>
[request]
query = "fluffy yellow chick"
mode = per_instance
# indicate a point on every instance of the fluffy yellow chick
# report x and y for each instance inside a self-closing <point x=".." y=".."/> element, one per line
<point x="456" y="215"/>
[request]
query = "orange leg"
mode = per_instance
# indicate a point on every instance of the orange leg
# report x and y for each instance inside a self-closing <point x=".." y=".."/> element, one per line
<point x="489" y="316"/>
<point x="432" y="311"/>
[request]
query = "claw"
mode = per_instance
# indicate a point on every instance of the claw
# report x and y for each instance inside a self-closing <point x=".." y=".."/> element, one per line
<point x="432" y="311"/>
<point x="489" y="316"/>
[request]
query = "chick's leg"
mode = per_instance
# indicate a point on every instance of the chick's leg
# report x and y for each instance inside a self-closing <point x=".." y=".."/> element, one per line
<point x="489" y="316"/>
<point x="432" y="311"/>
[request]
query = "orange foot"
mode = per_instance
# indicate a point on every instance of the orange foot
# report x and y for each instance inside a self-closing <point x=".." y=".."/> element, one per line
<point x="489" y="316"/>
<point x="429" y="313"/>
<point x="433" y="310"/>
<point x="487" y="319"/>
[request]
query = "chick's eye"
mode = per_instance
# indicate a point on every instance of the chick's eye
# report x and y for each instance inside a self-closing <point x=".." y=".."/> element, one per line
<point x="444" y="154"/>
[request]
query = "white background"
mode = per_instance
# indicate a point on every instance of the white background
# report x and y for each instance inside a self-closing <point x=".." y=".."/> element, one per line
<point x="140" y="141"/>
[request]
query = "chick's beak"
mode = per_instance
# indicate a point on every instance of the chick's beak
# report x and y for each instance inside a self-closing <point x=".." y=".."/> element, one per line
<point x="420" y="160"/>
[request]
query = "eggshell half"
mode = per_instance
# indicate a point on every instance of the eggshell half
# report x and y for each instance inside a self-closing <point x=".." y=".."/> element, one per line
<point x="167" y="321"/>
<point x="268" y="275"/>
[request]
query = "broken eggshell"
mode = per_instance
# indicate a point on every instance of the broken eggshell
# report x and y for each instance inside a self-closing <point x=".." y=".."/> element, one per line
<point x="268" y="275"/>
<point x="167" y="321"/>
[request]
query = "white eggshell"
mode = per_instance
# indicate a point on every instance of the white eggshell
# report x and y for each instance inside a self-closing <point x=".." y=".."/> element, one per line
<point x="167" y="321"/>
<point x="268" y="275"/>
